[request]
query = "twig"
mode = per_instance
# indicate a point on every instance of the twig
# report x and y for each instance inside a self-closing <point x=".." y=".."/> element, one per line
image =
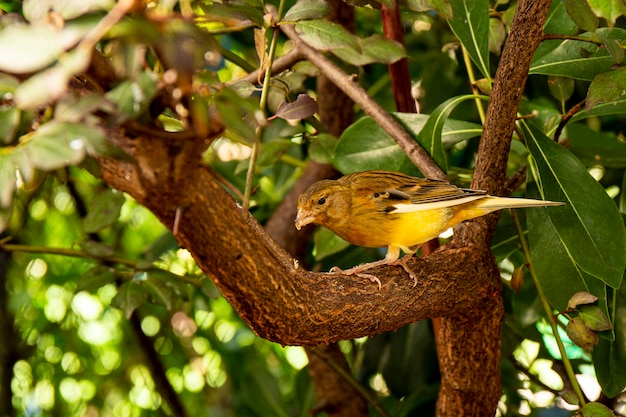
<point x="352" y="89"/>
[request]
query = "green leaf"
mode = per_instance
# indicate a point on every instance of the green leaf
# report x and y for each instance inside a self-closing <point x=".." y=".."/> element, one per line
<point x="596" y="410"/>
<point x="606" y="87"/>
<point x="304" y="106"/>
<point x="327" y="243"/>
<point x="325" y="35"/>
<point x="601" y="109"/>
<point x="589" y="225"/>
<point x="442" y="7"/>
<point x="580" y="334"/>
<point x="608" y="9"/>
<point x="372" y="49"/>
<point x="581" y="14"/>
<point x="132" y="98"/>
<point x="497" y="34"/>
<point x="594" y="318"/>
<point x="559" y="21"/>
<point x="55" y="145"/>
<point x="104" y="209"/>
<point x="95" y="278"/>
<point x="365" y="145"/>
<point x="615" y="49"/>
<point x="9" y="122"/>
<point x="431" y="134"/>
<point x="470" y="23"/>
<point x="321" y="148"/>
<point x="26" y="48"/>
<point x="129" y="297"/>
<point x="555" y="268"/>
<point x="38" y="10"/>
<point x="307" y="9"/>
<point x="564" y="58"/>
<point x="561" y="88"/>
<point x="593" y="148"/>
<point x="609" y="357"/>
<point x="8" y="178"/>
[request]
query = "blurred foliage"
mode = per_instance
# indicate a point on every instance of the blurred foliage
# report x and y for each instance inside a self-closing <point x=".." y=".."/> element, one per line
<point x="106" y="315"/>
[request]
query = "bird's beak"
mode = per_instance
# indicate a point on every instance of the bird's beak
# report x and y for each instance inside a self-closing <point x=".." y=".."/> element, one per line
<point x="303" y="218"/>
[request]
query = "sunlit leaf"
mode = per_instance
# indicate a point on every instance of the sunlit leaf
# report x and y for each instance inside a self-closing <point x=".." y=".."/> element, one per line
<point x="594" y="318"/>
<point x="470" y="23"/>
<point x="307" y="9"/>
<point x="579" y="333"/>
<point x="581" y="298"/>
<point x="37" y="10"/>
<point x="325" y="35"/>
<point x="608" y="9"/>
<point x="25" y="48"/>
<point x="9" y="121"/>
<point x="372" y="49"/>
<point x="442" y="7"/>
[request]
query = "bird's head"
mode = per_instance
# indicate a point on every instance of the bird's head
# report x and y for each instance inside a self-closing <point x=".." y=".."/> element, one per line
<point x="322" y="203"/>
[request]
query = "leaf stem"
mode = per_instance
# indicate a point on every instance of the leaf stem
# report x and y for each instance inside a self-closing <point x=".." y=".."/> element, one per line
<point x="472" y="79"/>
<point x="262" y="105"/>
<point x="569" y="369"/>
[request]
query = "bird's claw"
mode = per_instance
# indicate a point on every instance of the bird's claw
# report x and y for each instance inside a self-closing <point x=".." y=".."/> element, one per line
<point x="353" y="271"/>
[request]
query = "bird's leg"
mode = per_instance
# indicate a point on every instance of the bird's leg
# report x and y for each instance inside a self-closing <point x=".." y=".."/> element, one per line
<point x="357" y="270"/>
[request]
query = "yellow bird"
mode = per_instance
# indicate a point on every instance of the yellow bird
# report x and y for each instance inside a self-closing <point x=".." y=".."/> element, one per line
<point x="383" y="208"/>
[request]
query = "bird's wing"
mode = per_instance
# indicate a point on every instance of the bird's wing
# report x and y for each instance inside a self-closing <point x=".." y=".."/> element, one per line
<point x="394" y="192"/>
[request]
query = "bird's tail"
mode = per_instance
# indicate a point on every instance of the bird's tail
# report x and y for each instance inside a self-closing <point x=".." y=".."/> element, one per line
<point x="497" y="203"/>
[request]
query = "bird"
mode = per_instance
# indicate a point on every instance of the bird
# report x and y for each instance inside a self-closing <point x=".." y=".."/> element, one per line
<point x="385" y="208"/>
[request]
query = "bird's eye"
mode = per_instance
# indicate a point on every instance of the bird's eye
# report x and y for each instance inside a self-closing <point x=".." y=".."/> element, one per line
<point x="321" y="201"/>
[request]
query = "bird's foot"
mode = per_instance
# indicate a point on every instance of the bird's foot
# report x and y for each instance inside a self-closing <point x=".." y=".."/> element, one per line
<point x="357" y="271"/>
<point x="403" y="262"/>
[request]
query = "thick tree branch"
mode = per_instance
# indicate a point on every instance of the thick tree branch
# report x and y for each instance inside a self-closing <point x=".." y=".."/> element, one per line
<point x="279" y="300"/>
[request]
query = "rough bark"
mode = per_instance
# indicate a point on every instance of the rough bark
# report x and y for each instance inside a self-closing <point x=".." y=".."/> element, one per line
<point x="470" y="362"/>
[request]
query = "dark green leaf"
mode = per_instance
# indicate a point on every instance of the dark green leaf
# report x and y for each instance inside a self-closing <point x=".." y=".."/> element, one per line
<point x="561" y="88"/>
<point x="580" y="334"/>
<point x="304" y="106"/>
<point x="609" y="357"/>
<point x="581" y="14"/>
<point x="497" y="34"/>
<point x="554" y="57"/>
<point x="129" y="297"/>
<point x="615" y="49"/>
<point x="325" y="35"/>
<point x="593" y="147"/>
<point x="606" y="87"/>
<point x="8" y="178"/>
<point x="596" y="410"/>
<point x="307" y="9"/>
<point x="555" y="268"/>
<point x="321" y="148"/>
<point x="470" y="23"/>
<point x="594" y="318"/>
<point x="430" y="137"/>
<point x="589" y="224"/>
<point x="327" y="243"/>
<point x="372" y="49"/>
<point x="365" y="145"/>
<point x="558" y="20"/>
<point x="95" y="278"/>
<point x="103" y="209"/>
